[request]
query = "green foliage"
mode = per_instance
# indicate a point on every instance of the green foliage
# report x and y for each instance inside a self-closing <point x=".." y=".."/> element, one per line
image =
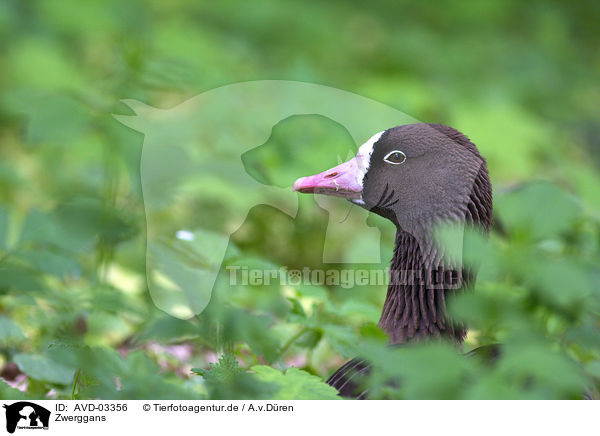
<point x="227" y="379"/>
<point x="41" y="368"/>
<point x="295" y="384"/>
<point x="10" y="332"/>
<point x="76" y="316"/>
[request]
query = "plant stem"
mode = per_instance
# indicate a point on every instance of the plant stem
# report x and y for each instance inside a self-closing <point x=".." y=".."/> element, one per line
<point x="291" y="340"/>
<point x="75" y="383"/>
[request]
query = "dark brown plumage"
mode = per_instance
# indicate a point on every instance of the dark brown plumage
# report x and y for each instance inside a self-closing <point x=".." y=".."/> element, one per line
<point x="442" y="180"/>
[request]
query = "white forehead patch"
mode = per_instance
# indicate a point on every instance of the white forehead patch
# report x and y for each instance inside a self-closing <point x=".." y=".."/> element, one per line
<point x="364" y="155"/>
<point x="367" y="148"/>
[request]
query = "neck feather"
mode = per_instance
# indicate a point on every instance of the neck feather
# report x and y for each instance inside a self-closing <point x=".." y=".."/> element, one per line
<point x="421" y="281"/>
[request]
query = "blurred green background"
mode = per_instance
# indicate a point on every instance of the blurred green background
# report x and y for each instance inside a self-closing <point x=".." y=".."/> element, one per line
<point x="76" y="319"/>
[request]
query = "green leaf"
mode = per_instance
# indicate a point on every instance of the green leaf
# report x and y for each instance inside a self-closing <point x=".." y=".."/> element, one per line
<point x="310" y="339"/>
<point x="255" y="330"/>
<point x="15" y="277"/>
<point x="169" y="329"/>
<point x="295" y="384"/>
<point x="226" y="380"/>
<point x="10" y="332"/>
<point x="342" y="338"/>
<point x="421" y="371"/>
<point x="41" y="367"/>
<point x="10" y="393"/>
<point x="536" y="364"/>
<point x="226" y="368"/>
<point x="52" y="263"/>
<point x="297" y="308"/>
<point x="361" y="310"/>
<point x="540" y="209"/>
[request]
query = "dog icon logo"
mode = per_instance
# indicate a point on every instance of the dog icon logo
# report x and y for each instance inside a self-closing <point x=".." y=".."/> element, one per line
<point x="26" y="415"/>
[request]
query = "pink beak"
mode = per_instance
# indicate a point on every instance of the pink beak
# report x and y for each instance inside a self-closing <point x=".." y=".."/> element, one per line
<point x="344" y="180"/>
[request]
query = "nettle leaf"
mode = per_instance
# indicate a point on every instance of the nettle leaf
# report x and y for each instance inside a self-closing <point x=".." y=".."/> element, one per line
<point x="10" y="332"/>
<point x="561" y="283"/>
<point x="227" y="379"/>
<point x="295" y="384"/>
<point x="538" y="366"/>
<point x="539" y="209"/>
<point x="40" y="367"/>
<point x="226" y="368"/>
<point x="421" y="371"/>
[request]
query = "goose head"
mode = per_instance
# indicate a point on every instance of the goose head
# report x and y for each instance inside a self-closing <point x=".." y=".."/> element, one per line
<point x="414" y="175"/>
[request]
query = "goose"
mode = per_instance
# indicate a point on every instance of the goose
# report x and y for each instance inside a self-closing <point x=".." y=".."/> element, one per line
<point x="418" y="176"/>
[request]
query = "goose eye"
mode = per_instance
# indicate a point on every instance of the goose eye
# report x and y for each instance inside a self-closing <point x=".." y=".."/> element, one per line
<point x="395" y="157"/>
